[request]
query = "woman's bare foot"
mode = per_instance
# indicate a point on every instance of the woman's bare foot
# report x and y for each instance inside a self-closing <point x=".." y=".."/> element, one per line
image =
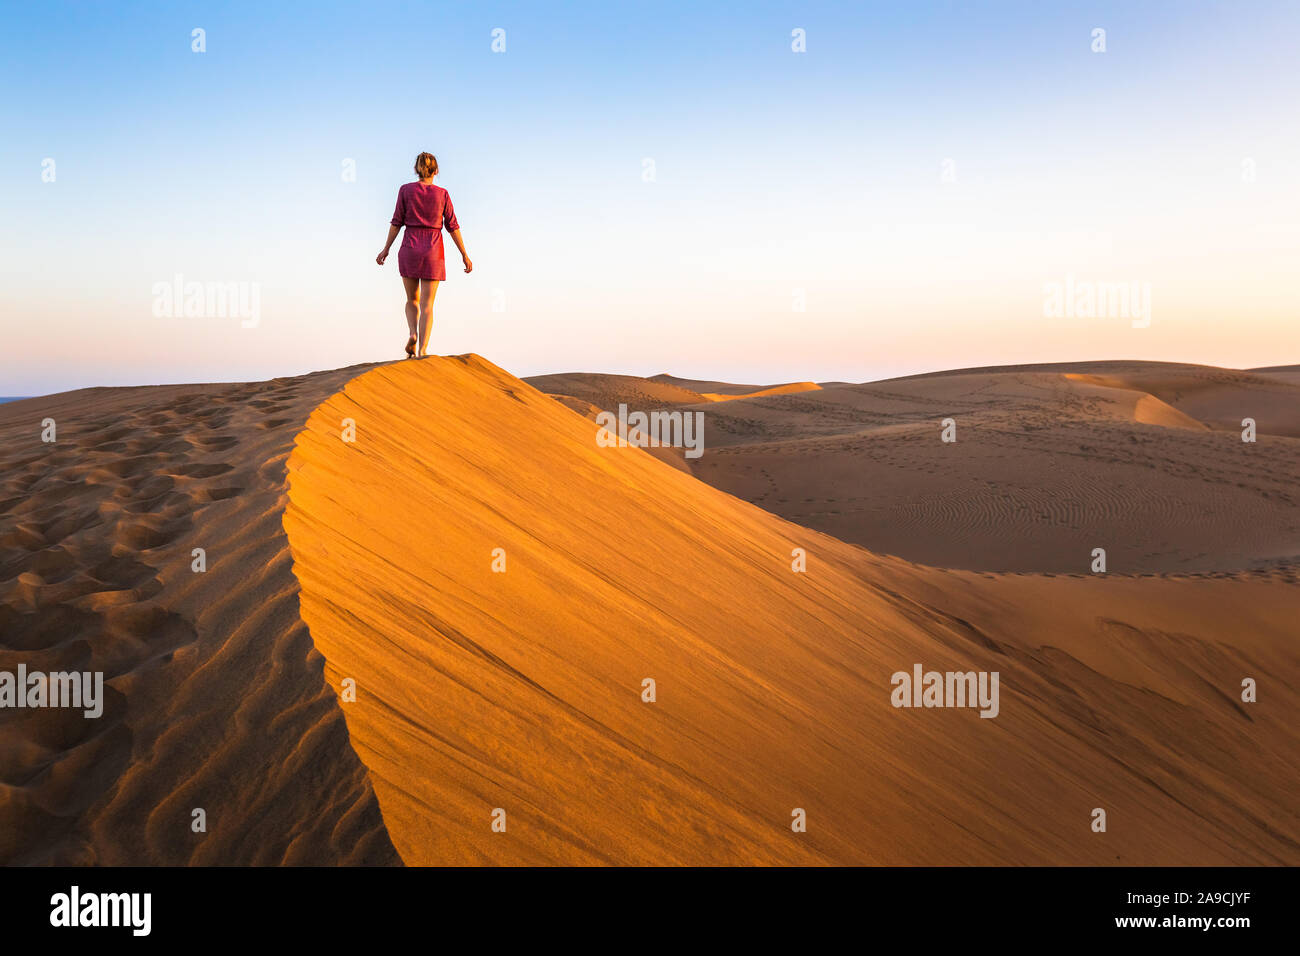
<point x="410" y="347"/>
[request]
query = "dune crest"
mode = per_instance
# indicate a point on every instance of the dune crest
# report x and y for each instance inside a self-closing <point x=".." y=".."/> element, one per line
<point x="1133" y="404"/>
<point x="790" y="389"/>
<point x="519" y="691"/>
<point x="604" y="391"/>
<point x="608" y="391"/>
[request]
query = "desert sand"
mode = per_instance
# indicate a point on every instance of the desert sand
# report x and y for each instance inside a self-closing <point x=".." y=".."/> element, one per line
<point x="369" y="563"/>
<point x="1143" y="459"/>
<point x="215" y="693"/>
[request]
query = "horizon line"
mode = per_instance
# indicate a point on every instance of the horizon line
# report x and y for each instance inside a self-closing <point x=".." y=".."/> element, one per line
<point x="5" y="399"/>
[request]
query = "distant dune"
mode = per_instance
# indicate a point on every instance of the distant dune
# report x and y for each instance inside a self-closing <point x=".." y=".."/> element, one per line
<point x="607" y="391"/>
<point x="350" y="523"/>
<point x="1285" y="373"/>
<point x="788" y="389"/>
<point x="662" y="391"/>
<point x="698" y="386"/>
<point x="1144" y="459"/>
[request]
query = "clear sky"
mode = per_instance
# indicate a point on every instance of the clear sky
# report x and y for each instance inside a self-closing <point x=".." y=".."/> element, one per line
<point x="900" y="197"/>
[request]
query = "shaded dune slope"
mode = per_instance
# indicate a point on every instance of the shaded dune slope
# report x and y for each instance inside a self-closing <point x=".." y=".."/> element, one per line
<point x="522" y="690"/>
<point x="215" y="695"/>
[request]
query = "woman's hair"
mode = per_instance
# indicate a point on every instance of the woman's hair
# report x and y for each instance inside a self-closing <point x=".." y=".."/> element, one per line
<point x="426" y="165"/>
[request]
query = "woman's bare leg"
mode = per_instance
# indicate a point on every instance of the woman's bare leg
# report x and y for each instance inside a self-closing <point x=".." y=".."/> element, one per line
<point x="428" y="289"/>
<point x="412" y="309"/>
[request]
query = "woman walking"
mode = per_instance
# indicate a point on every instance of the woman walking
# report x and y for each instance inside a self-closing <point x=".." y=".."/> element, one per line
<point x="425" y="210"/>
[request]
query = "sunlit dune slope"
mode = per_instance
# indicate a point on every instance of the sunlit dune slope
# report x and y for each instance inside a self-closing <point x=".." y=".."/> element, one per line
<point x="719" y="391"/>
<point x="1132" y="404"/>
<point x="790" y="389"/>
<point x="609" y="391"/>
<point x="522" y="690"/>
<point x="1217" y="397"/>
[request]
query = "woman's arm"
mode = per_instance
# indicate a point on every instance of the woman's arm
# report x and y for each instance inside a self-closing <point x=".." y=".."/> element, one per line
<point x="392" y="234"/>
<point x="460" y="244"/>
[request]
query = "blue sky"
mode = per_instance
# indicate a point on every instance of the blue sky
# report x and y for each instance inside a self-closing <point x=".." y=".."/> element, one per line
<point x="778" y="175"/>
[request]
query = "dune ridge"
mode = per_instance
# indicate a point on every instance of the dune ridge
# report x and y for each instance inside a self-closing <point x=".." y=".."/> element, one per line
<point x="788" y="389"/>
<point x="521" y="690"/>
<point x="583" y="390"/>
<point x="608" y="391"/>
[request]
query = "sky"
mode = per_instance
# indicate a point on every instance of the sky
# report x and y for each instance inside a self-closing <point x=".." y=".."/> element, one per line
<point x="649" y="187"/>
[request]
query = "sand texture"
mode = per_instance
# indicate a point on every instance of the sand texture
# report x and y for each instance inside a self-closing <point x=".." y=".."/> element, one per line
<point x="456" y="547"/>
<point x="215" y="695"/>
<point x="1144" y="459"/>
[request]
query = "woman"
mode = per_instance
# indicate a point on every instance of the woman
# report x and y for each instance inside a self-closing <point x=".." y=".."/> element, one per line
<point x="425" y="210"/>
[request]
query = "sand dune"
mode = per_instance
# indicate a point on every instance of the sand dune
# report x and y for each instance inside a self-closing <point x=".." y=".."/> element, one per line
<point x="662" y="391"/>
<point x="521" y="690"/>
<point x="699" y="386"/>
<point x="1219" y="398"/>
<point x="1129" y="404"/>
<point x="608" y="391"/>
<point x="788" y="389"/>
<point x="1144" y="459"/>
<point x="1282" y="373"/>
<point x="215" y="694"/>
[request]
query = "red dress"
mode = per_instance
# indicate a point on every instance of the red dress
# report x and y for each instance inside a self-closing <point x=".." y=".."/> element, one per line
<point x="425" y="211"/>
